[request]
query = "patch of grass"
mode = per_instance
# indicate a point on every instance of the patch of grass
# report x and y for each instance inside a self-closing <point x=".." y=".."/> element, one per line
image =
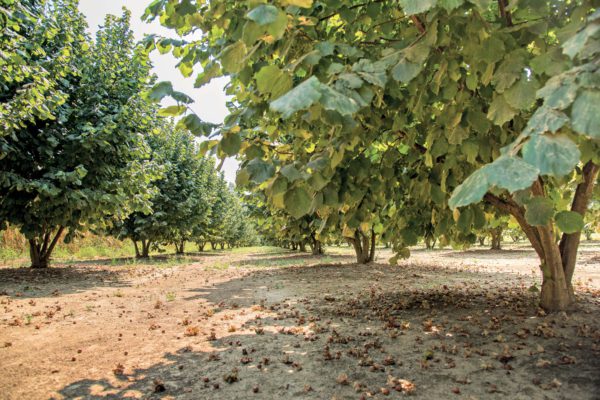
<point x="255" y="250"/>
<point x="220" y="266"/>
<point x="170" y="296"/>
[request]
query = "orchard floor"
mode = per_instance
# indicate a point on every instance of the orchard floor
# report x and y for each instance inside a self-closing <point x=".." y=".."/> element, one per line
<point x="263" y="323"/>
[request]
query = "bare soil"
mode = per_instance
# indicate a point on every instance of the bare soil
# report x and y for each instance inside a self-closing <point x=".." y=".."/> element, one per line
<point x="241" y="325"/>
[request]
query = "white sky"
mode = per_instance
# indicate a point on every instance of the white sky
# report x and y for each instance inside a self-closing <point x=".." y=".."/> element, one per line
<point x="209" y="100"/>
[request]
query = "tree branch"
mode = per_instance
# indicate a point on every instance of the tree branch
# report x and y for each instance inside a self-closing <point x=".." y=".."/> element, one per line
<point x="55" y="240"/>
<point x="418" y="24"/>
<point x="504" y="13"/>
<point x="518" y="212"/>
<point x="569" y="243"/>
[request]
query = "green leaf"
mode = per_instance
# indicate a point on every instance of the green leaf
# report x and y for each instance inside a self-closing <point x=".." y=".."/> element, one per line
<point x="585" y="117"/>
<point x="539" y="211"/>
<point x="333" y="100"/>
<point x="450" y="5"/>
<point x="172" y="111"/>
<point x="372" y="72"/>
<point x="272" y="81"/>
<point x="500" y="111"/>
<point x="299" y="98"/>
<point x="160" y="90"/>
<point x="411" y="7"/>
<point x="405" y="71"/>
<point x="297" y="202"/>
<point x="232" y="56"/>
<point x="521" y="95"/>
<point x="470" y="191"/>
<point x="182" y="97"/>
<point x="277" y="28"/>
<point x="465" y="220"/>
<point x="195" y="125"/>
<point x="212" y="70"/>
<point x="264" y="14"/>
<point x="259" y="171"/>
<point x="290" y="172"/>
<point x="298" y="3"/>
<point x="554" y="155"/>
<point x="569" y="221"/>
<point x="577" y="42"/>
<point x="231" y="143"/>
<point x="484" y="5"/>
<point x="545" y="119"/>
<point x="511" y="173"/>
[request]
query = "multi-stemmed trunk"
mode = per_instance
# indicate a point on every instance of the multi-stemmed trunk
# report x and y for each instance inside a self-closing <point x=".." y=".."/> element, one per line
<point x="316" y="246"/>
<point x="222" y="245"/>
<point x="201" y="245"/>
<point x="430" y="241"/>
<point x="557" y="259"/>
<point x="180" y="247"/>
<point x="40" y="248"/>
<point x="142" y="250"/>
<point x="364" y="246"/>
<point x="213" y="245"/>
<point x="496" y="238"/>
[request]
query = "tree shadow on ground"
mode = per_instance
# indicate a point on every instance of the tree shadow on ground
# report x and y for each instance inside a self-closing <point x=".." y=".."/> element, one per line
<point x="54" y="281"/>
<point x="434" y="327"/>
<point x="489" y="253"/>
<point x="290" y="258"/>
<point x="152" y="260"/>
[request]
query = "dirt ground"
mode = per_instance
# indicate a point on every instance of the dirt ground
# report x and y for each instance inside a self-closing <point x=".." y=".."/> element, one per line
<point x="271" y="324"/>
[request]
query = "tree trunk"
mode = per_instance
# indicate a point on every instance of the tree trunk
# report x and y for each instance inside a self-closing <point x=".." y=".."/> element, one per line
<point x="37" y="259"/>
<point x="213" y="245"/>
<point x="222" y="245"/>
<point x="180" y="247"/>
<point x="558" y="260"/>
<point x="364" y="246"/>
<point x="302" y="246"/>
<point x="481" y="240"/>
<point x="316" y="246"/>
<point x="40" y="249"/>
<point x="201" y="246"/>
<point x="137" y="249"/>
<point x="294" y="246"/>
<point x="429" y="242"/>
<point x="145" y="249"/>
<point x="496" y="238"/>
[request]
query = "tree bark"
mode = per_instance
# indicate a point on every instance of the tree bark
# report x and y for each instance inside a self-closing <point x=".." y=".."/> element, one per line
<point x="481" y="240"/>
<point x="145" y="249"/>
<point x="201" y="246"/>
<point x="180" y="247"/>
<point x="569" y="243"/>
<point x="496" y="239"/>
<point x="316" y="246"/>
<point x="302" y="246"/>
<point x="137" y="249"/>
<point x="213" y="245"/>
<point x="558" y="260"/>
<point x="41" y="249"/>
<point x="364" y="246"/>
<point x="222" y="245"/>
